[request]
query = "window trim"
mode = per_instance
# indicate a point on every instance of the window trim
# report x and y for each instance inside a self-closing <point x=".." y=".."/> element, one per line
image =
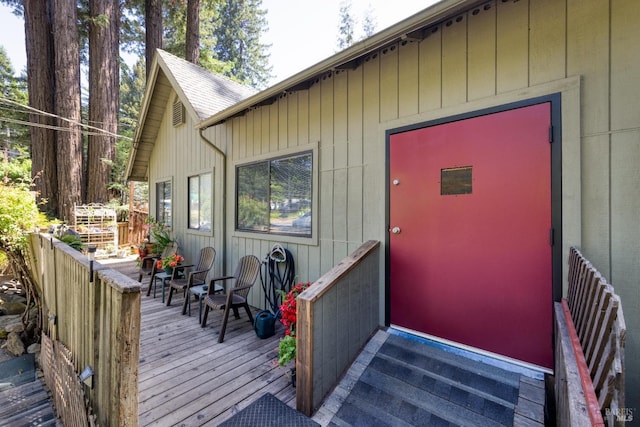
<point x="198" y="231"/>
<point x="315" y="191"/>
<point x="156" y="198"/>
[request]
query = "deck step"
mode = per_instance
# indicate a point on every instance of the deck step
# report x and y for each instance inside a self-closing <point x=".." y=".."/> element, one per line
<point x="27" y="405"/>
<point x="411" y="383"/>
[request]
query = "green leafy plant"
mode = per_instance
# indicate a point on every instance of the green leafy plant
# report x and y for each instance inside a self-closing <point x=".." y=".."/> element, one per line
<point x="160" y="234"/>
<point x="72" y="240"/>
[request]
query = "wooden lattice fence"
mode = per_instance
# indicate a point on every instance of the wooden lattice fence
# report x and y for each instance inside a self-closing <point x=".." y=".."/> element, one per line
<point x="590" y="341"/>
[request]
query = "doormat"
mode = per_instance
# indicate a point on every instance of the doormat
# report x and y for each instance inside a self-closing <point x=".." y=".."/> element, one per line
<point x="269" y="411"/>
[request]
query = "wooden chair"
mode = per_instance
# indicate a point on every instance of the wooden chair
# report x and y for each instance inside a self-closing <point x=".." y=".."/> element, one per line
<point x="235" y="297"/>
<point x="148" y="264"/>
<point x="196" y="276"/>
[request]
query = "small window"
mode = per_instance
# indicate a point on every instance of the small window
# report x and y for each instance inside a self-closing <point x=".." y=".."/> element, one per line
<point x="455" y="181"/>
<point x="274" y="196"/>
<point x="163" y="203"/>
<point x="200" y="202"/>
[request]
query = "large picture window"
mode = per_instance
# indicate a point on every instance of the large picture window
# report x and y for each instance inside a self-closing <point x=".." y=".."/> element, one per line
<point x="200" y="202"/>
<point x="163" y="203"/>
<point x="274" y="196"/>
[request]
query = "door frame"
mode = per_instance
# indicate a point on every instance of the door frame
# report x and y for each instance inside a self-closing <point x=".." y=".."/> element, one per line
<point x="555" y="137"/>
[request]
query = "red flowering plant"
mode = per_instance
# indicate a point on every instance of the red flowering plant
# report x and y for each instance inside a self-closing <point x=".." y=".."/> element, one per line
<point x="287" y="346"/>
<point x="170" y="261"/>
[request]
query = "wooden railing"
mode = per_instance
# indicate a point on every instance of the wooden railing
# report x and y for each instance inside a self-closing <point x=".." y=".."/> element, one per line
<point x="94" y="325"/>
<point x="123" y="234"/>
<point x="335" y="318"/>
<point x="590" y="340"/>
<point x="137" y="231"/>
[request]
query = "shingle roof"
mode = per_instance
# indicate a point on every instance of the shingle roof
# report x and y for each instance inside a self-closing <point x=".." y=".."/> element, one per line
<point x="202" y="93"/>
<point x="208" y="93"/>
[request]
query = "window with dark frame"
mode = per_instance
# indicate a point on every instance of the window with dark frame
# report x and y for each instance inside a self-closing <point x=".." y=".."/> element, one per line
<point x="163" y="203"/>
<point x="274" y="196"/>
<point x="456" y="181"/>
<point x="200" y="212"/>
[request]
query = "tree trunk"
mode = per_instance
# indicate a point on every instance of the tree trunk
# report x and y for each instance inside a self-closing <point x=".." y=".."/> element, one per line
<point x="192" y="53"/>
<point x="104" y="86"/>
<point x="153" y="28"/>
<point x="40" y="62"/>
<point x="67" y="101"/>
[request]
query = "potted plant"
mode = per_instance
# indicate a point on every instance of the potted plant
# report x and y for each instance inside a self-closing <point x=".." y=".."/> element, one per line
<point x="169" y="263"/>
<point x="160" y="235"/>
<point x="287" y="345"/>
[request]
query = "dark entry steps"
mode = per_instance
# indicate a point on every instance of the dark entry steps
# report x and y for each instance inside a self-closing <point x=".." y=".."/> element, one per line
<point x="409" y="383"/>
<point x="27" y="404"/>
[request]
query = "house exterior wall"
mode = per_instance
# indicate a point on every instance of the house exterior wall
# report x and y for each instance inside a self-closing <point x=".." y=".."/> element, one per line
<point x="179" y="153"/>
<point x="586" y="50"/>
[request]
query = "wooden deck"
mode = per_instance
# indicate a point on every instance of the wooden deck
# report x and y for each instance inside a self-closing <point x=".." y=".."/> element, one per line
<point x="187" y="378"/>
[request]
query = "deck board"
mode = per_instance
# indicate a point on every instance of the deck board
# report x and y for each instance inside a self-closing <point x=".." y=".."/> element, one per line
<point x="186" y="377"/>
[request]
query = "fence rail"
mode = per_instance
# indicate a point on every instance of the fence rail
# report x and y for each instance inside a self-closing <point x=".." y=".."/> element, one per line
<point x="335" y="318"/>
<point x="590" y="341"/>
<point x="94" y="325"/>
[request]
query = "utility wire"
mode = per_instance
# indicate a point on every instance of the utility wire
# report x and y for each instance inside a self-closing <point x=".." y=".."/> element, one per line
<point x="98" y="131"/>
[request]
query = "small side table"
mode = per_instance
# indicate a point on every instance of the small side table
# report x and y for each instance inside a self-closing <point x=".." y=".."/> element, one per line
<point x="163" y="277"/>
<point x="200" y="291"/>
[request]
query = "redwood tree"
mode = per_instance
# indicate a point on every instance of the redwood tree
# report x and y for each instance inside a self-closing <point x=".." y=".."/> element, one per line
<point x="67" y="102"/>
<point x="104" y="84"/>
<point x="153" y="27"/>
<point x="192" y="49"/>
<point x="38" y="18"/>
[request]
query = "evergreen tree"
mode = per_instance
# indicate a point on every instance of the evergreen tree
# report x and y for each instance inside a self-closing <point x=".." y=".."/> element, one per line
<point x="346" y="26"/>
<point x="369" y="24"/>
<point x="14" y="134"/>
<point x="238" y="27"/>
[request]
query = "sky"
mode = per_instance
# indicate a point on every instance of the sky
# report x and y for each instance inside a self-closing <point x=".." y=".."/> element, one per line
<point x="301" y="32"/>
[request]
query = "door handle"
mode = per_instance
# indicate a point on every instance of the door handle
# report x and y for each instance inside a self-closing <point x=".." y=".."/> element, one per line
<point x="395" y="230"/>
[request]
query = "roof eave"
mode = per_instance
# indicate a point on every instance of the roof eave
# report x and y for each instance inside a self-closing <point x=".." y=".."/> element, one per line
<point x="398" y="32"/>
<point x="146" y="101"/>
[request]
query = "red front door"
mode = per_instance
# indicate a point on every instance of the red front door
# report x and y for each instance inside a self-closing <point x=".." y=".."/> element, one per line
<point x="470" y="214"/>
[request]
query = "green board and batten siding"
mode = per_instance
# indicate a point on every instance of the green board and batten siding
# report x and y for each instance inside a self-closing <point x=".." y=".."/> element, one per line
<point x="506" y="52"/>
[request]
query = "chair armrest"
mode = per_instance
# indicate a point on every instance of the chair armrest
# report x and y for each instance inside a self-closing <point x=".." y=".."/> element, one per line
<point x="178" y="269"/>
<point x="211" y="289"/>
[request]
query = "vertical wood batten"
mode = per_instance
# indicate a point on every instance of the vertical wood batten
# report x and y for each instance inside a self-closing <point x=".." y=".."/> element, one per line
<point x="481" y="57"/>
<point x="512" y="46"/>
<point x="547" y="41"/>
<point x="408" y="71"/>
<point x="388" y="83"/>
<point x="430" y="75"/>
<point x="454" y="61"/>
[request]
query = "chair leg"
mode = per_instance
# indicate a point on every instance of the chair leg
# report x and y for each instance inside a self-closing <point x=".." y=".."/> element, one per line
<point x="246" y="307"/>
<point x="152" y="281"/>
<point x="236" y="314"/>
<point x="204" y="316"/>
<point x="225" y="318"/>
<point x="186" y="303"/>
<point x="169" y="296"/>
